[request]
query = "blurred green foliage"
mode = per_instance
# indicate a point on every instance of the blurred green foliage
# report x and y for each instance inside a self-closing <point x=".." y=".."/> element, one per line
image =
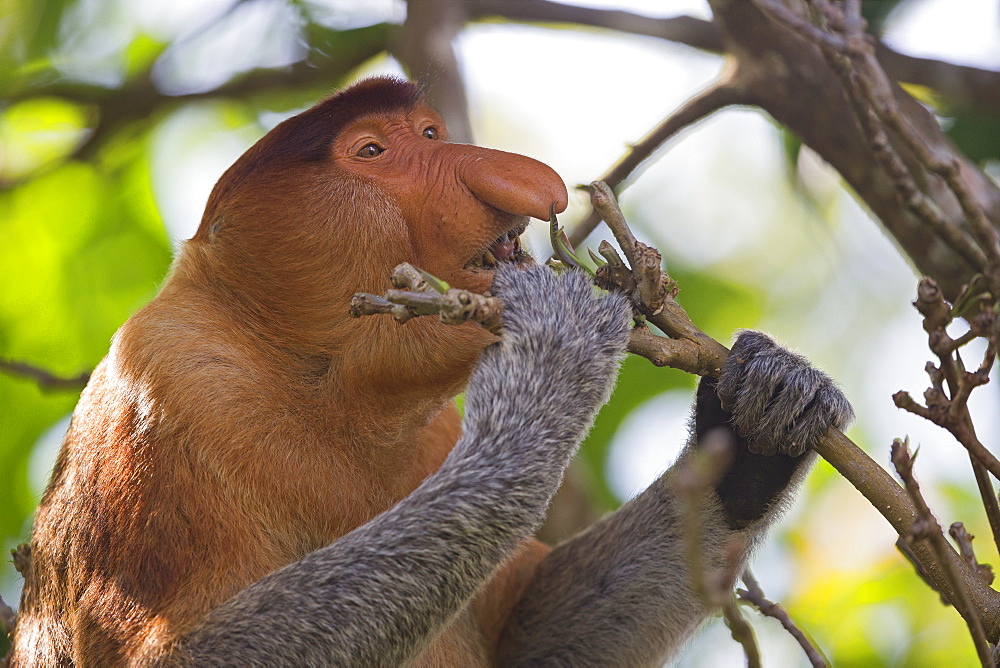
<point x="82" y="248"/>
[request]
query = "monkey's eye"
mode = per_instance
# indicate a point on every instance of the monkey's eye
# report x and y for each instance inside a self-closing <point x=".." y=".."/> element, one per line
<point x="370" y="151"/>
<point x="430" y="132"/>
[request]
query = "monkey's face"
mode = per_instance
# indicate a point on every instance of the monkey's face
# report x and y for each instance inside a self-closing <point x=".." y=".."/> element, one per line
<point x="330" y="200"/>
<point x="464" y="206"/>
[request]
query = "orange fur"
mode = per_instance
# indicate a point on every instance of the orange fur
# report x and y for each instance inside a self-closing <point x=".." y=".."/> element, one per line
<point x="242" y="419"/>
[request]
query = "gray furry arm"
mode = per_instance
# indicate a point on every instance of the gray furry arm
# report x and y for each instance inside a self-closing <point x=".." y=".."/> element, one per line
<point x="620" y="593"/>
<point x="378" y="595"/>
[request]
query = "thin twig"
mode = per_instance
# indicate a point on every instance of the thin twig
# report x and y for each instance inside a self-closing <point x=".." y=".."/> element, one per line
<point x="693" y="481"/>
<point x="454" y="306"/>
<point x="963" y="539"/>
<point x="681" y="29"/>
<point x="46" y="380"/>
<point x="952" y="413"/>
<point x="907" y="551"/>
<point x="660" y="309"/>
<point x="140" y="99"/>
<point x="926" y="527"/>
<point x="723" y="93"/>
<point x="739" y="627"/>
<point x="940" y="417"/>
<point x="653" y="288"/>
<point x="754" y="595"/>
<point x="458" y="306"/>
<point x="989" y="497"/>
<point x="937" y="313"/>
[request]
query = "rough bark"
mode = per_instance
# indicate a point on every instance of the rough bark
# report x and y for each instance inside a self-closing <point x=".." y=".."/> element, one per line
<point x="787" y="76"/>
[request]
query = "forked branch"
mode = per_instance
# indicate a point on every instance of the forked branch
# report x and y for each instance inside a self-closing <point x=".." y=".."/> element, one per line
<point x="754" y="595"/>
<point x="927" y="528"/>
<point x="946" y="400"/>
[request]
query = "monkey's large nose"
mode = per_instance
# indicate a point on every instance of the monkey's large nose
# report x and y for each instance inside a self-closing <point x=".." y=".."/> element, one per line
<point x="512" y="183"/>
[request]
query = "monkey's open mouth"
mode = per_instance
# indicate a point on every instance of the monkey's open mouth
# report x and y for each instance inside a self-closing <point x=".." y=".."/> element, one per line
<point x="506" y="248"/>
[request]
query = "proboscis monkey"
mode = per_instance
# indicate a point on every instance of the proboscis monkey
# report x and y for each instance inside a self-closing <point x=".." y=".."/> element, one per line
<point x="254" y="478"/>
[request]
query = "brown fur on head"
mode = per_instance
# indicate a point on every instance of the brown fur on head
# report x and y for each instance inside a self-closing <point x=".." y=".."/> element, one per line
<point x="329" y="201"/>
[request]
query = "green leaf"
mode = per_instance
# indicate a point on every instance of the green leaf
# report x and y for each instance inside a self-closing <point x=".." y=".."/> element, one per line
<point x="976" y="133"/>
<point x="436" y="283"/>
<point x="561" y="246"/>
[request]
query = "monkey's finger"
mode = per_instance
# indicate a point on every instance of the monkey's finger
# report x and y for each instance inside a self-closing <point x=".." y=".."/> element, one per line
<point x="830" y="408"/>
<point x="787" y="421"/>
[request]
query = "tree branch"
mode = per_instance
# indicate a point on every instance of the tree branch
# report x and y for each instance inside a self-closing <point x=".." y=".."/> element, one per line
<point x="681" y="29"/>
<point x="963" y="539"/>
<point x="693" y="482"/>
<point x="46" y="380"/>
<point x="754" y="595"/>
<point x="139" y="99"/>
<point x="852" y="55"/>
<point x="424" y="46"/>
<point x="850" y="461"/>
<point x="810" y="98"/>
<point x="926" y="527"/>
<point x="719" y="95"/>
<point x="964" y="86"/>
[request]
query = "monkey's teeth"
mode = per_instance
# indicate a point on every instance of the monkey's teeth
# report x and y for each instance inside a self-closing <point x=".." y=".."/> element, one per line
<point x="507" y="248"/>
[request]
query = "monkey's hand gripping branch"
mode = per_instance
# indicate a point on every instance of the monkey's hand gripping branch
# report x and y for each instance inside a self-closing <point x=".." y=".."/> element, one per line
<point x="653" y="294"/>
<point x="689" y="349"/>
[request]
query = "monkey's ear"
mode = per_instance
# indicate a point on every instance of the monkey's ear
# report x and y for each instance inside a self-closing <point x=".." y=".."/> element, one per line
<point x="214" y="228"/>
